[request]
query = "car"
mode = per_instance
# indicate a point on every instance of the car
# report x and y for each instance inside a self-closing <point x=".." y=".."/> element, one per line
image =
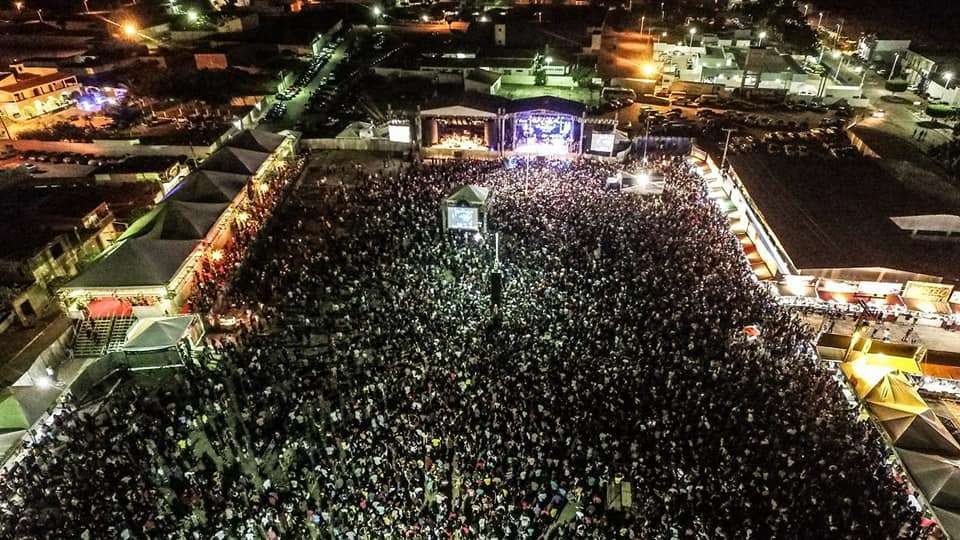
<point x="790" y="150"/>
<point x="773" y="148"/>
<point x="803" y="150"/>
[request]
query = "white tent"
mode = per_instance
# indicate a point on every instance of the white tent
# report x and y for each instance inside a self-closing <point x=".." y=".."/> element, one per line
<point x="157" y="333"/>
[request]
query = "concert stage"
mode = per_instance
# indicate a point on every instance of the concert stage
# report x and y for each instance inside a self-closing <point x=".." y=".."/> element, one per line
<point x="536" y="126"/>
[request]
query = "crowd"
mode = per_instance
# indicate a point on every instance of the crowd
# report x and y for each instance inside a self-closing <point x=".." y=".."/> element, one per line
<point x="384" y="397"/>
<point x="220" y="263"/>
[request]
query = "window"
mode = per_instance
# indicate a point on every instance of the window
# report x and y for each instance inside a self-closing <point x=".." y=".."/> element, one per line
<point x="56" y="250"/>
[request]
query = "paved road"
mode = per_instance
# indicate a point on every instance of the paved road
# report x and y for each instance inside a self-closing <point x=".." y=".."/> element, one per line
<point x="297" y="106"/>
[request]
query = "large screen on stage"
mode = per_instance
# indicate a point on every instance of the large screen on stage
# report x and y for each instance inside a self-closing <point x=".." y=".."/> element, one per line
<point x="601" y="142"/>
<point x="399" y="133"/>
<point x="463" y="218"/>
<point x="543" y="132"/>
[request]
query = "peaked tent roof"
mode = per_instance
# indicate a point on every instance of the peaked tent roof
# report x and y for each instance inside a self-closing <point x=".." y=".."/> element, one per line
<point x="948" y="520"/>
<point x="12" y="415"/>
<point x="893" y="388"/>
<point x="916" y="430"/>
<point x="188" y="220"/>
<point x="176" y="220"/>
<point x="156" y="333"/>
<point x="258" y="140"/>
<point x="471" y="194"/>
<point x="209" y="187"/>
<point x="937" y="477"/>
<point x="136" y="262"/>
<point x="235" y="160"/>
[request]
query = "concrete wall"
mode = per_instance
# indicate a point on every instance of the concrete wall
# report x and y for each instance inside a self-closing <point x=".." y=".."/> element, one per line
<point x="113" y="148"/>
<point x="372" y="145"/>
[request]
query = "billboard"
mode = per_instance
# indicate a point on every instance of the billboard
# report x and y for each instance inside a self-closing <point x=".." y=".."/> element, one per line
<point x="929" y="292"/>
<point x="463" y="218"/>
<point x="601" y="142"/>
<point x="398" y="133"/>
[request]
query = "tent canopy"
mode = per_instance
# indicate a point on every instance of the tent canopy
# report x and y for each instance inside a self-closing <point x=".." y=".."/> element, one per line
<point x="156" y="333"/>
<point x="258" y="140"/>
<point x="913" y="428"/>
<point x="937" y="477"/>
<point x="136" y="262"/>
<point x="474" y="195"/>
<point x="12" y="415"/>
<point x="235" y="160"/>
<point x="209" y="187"/>
<point x="176" y="220"/>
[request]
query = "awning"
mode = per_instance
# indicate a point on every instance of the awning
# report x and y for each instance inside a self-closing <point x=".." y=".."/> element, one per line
<point x="156" y="333"/>
<point x="108" y="307"/>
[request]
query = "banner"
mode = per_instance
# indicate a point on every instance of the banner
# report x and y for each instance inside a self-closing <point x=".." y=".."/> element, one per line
<point x="929" y="292"/>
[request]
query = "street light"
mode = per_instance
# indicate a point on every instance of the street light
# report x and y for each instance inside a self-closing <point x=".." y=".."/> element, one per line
<point x="762" y="35"/>
<point x="947" y="77"/>
<point x="425" y="18"/>
<point x="377" y="11"/>
<point x="863" y="78"/>
<point x="642" y="18"/>
<point x="192" y="15"/>
<point x="548" y="60"/>
<point x="819" y="22"/>
<point x="693" y="32"/>
<point x="836" y="54"/>
<point x="129" y="29"/>
<point x="806" y="8"/>
<point x="893" y="68"/>
<point x="18" y="5"/>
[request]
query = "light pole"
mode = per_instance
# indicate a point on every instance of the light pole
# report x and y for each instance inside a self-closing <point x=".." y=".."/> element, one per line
<point x="893" y="68"/>
<point x="663" y="12"/>
<point x="762" y="35"/>
<point x="726" y="145"/>
<point x="642" y="18"/>
<point x="806" y="8"/>
<point x="693" y="31"/>
<point x="839" y="30"/>
<point x="863" y="78"/>
<point x="837" y="55"/>
<point x="19" y="6"/>
<point x="819" y="22"/>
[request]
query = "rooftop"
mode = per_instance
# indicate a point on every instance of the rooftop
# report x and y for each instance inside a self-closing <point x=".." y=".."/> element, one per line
<point x="33" y="217"/>
<point x="836" y="214"/>
<point x="25" y="81"/>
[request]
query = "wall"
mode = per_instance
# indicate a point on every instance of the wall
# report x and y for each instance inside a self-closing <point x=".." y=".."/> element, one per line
<point x="113" y="148"/>
<point x="372" y="145"/>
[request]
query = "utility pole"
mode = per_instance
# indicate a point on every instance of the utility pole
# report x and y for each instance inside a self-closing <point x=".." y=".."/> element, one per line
<point x="893" y="68"/>
<point x="646" y="137"/>
<point x="726" y="145"/>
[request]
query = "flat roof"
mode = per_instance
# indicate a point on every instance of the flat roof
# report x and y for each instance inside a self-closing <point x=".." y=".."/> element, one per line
<point x="835" y="213"/>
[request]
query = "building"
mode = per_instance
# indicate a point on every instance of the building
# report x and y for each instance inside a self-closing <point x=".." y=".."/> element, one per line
<point x="846" y="219"/>
<point x="873" y="49"/>
<point x="151" y="267"/>
<point x="920" y="67"/>
<point x="47" y="237"/>
<point x="27" y="93"/>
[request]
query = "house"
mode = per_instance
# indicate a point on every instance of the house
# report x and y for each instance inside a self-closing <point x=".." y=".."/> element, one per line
<point x="26" y="93"/>
<point x="46" y="237"/>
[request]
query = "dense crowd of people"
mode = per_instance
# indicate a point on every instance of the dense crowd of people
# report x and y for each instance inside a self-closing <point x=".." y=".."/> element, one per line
<point x="612" y="393"/>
